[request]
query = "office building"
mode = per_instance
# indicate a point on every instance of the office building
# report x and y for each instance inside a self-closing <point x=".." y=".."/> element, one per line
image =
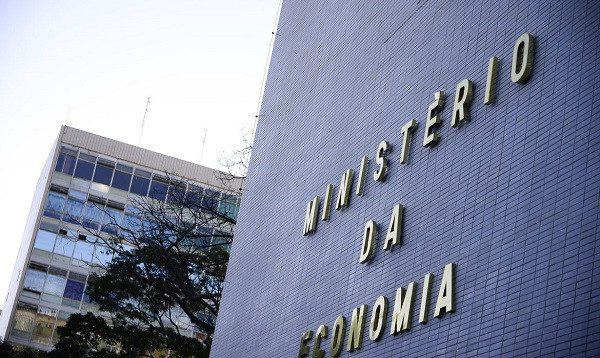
<point x="461" y="142"/>
<point x="88" y="185"/>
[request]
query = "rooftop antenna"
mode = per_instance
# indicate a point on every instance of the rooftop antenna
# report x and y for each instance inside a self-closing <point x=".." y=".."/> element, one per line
<point x="143" y="121"/>
<point x="68" y="112"/>
<point x="203" y="141"/>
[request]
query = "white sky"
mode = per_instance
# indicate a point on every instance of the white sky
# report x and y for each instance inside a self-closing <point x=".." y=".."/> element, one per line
<point x="201" y="63"/>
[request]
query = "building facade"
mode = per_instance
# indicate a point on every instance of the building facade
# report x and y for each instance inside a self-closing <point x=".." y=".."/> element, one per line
<point x="424" y="182"/>
<point x="88" y="185"/>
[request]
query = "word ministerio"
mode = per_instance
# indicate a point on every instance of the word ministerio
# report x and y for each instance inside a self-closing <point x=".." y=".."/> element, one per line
<point x="522" y="59"/>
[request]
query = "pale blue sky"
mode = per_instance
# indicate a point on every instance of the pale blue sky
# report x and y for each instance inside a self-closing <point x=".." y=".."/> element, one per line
<point x="200" y="62"/>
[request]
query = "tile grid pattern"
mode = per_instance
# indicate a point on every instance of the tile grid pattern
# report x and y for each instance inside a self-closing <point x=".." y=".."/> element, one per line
<point x="512" y="197"/>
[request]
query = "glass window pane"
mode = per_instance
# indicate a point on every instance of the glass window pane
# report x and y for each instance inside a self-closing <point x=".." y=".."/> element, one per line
<point x="44" y="323"/>
<point x="228" y="206"/>
<point x="44" y="240"/>
<point x="74" y="276"/>
<point x="102" y="255"/>
<point x="74" y="290"/>
<point x="73" y="211"/>
<point x="194" y="196"/>
<point x="85" y="166"/>
<point x="30" y="294"/>
<point x="121" y="180"/>
<point x="77" y="194"/>
<point x="124" y="168"/>
<point x="93" y="212"/>
<point x="69" y="166"/>
<point x="210" y="201"/>
<point x="55" y="285"/>
<point x="55" y="204"/>
<point x="131" y="224"/>
<point x="84" y="251"/>
<point x="61" y="321"/>
<point x="140" y="185"/>
<point x="103" y="173"/>
<point x="24" y="320"/>
<point x="158" y="190"/>
<point x="66" y="161"/>
<point x="176" y="193"/>
<point x="64" y="246"/>
<point x="87" y="305"/>
<point x="60" y="162"/>
<point x="112" y="216"/>
<point x="34" y="280"/>
<point x="112" y="220"/>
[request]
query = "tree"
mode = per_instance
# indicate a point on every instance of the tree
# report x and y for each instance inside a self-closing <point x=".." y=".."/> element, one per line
<point x="90" y="336"/>
<point x="169" y="261"/>
<point x="8" y="350"/>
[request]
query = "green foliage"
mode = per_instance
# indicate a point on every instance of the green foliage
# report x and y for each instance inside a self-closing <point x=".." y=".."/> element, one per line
<point x="170" y="264"/>
<point x="90" y="336"/>
<point x="85" y="336"/>
<point x="8" y="350"/>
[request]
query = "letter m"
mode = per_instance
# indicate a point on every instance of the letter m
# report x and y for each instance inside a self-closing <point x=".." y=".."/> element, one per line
<point x="312" y="212"/>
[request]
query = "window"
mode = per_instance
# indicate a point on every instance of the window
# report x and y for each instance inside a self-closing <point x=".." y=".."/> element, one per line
<point x="61" y="321"/>
<point x="76" y="194"/>
<point x="102" y="255"/>
<point x="74" y="291"/>
<point x="210" y="201"/>
<point x="194" y="196"/>
<point x="44" y="240"/>
<point x="73" y="210"/>
<point x="112" y="218"/>
<point x="24" y="320"/>
<point x="55" y="282"/>
<point x="34" y="280"/>
<point x="64" y="246"/>
<point x="66" y="161"/>
<point x="84" y="251"/>
<point x="176" y="193"/>
<point x="204" y="237"/>
<point x="93" y="215"/>
<point x="131" y="224"/>
<point x="158" y="188"/>
<point x="141" y="182"/>
<point x="228" y="206"/>
<point x="221" y="243"/>
<point x="44" y="323"/>
<point x="104" y="171"/>
<point x="85" y="166"/>
<point x="54" y="204"/>
<point x="122" y="177"/>
<point x="87" y="305"/>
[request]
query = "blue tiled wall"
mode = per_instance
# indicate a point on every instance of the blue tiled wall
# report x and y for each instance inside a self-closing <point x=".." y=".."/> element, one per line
<point x="512" y="197"/>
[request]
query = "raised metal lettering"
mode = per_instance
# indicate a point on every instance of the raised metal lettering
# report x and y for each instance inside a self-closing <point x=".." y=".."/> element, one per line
<point x="445" y="301"/>
<point x="310" y="220"/>
<point x="369" y="236"/>
<point x="357" y="328"/>
<point x="522" y="59"/>
<point x="378" y="317"/>
<point x="432" y="138"/>
<point x="462" y="99"/>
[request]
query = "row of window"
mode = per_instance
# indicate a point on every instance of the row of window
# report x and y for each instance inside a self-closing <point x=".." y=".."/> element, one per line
<point x="38" y="323"/>
<point x="54" y="285"/>
<point x="64" y="245"/>
<point x="141" y="182"/>
<point x="99" y="170"/>
<point x="96" y="213"/>
<point x="77" y="207"/>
